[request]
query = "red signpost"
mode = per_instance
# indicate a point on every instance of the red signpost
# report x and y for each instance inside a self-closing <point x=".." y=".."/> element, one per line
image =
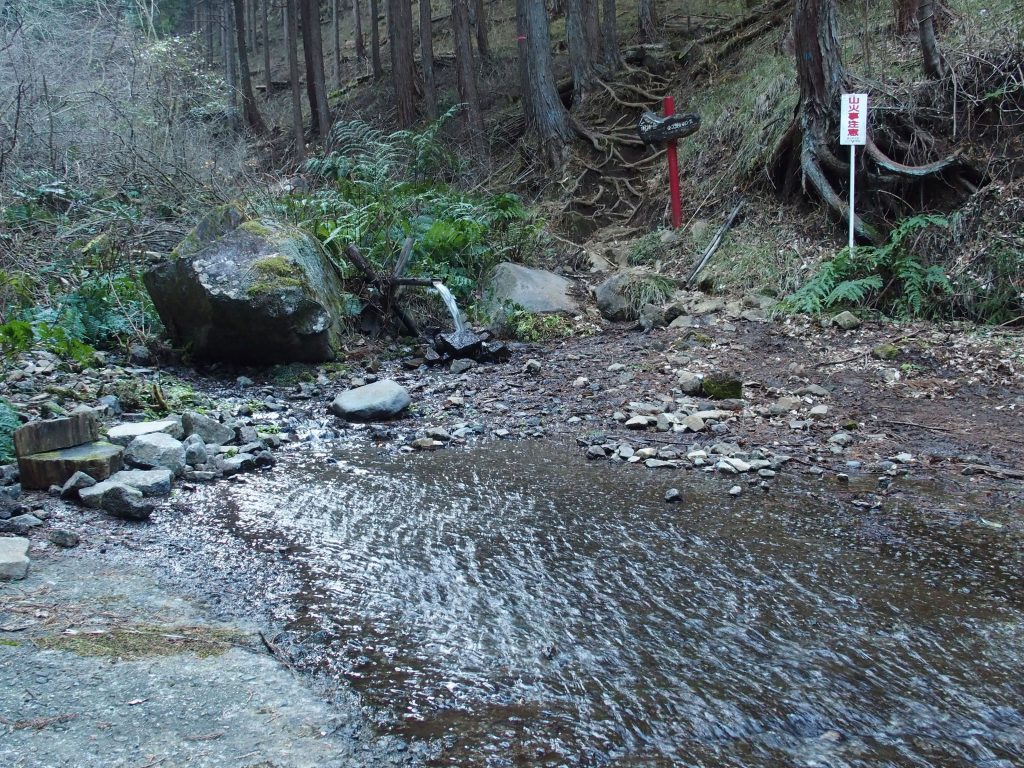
<point x="673" y="170"/>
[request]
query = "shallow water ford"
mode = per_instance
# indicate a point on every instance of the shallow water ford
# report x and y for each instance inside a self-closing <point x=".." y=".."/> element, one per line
<point x="515" y="605"/>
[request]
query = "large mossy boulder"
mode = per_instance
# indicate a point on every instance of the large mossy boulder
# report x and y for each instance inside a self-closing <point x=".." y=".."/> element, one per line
<point x="249" y="292"/>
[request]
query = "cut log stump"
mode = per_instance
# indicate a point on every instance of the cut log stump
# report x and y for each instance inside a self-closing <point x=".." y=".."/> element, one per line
<point x="55" y="434"/>
<point x="99" y="460"/>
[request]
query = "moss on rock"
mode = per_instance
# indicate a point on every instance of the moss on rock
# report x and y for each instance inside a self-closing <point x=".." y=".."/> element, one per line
<point x="722" y="387"/>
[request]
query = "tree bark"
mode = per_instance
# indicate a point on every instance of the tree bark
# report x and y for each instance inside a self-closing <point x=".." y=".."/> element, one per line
<point x="581" y="61"/>
<point x="266" y="46"/>
<point x="647" y="20"/>
<point x="905" y="16"/>
<point x="378" y="70"/>
<point x="427" y="60"/>
<point x="546" y="112"/>
<point x="403" y="76"/>
<point x="316" y="81"/>
<point x="934" y="64"/>
<point x="228" y="45"/>
<point x="592" y="25"/>
<point x="291" y="35"/>
<point x="357" y="20"/>
<point x="612" y="56"/>
<point x="336" y="24"/>
<point x="483" y="46"/>
<point x="466" y="71"/>
<point x="250" y="112"/>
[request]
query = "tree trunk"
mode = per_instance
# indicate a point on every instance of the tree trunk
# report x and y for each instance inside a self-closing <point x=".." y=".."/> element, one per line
<point x="905" y="16"/>
<point x="336" y="24"/>
<point x="581" y="61"/>
<point x="546" y="112"/>
<point x="378" y="70"/>
<point x="427" y="56"/>
<point x="316" y="81"/>
<point x="357" y="21"/>
<point x="466" y="71"/>
<point x="253" y="119"/>
<point x="592" y="25"/>
<point x="934" y="63"/>
<point x="483" y="47"/>
<point x="612" y="56"/>
<point x="647" y="21"/>
<point x="208" y="9"/>
<point x="227" y="37"/>
<point x="403" y="76"/>
<point x="292" y="37"/>
<point x="266" y="46"/>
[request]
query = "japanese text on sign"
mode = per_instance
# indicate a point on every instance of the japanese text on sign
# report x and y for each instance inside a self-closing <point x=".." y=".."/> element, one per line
<point x="853" y="119"/>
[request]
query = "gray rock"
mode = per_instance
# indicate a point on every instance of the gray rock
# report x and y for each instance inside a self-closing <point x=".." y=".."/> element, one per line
<point x="372" y="402"/>
<point x="64" y="538"/>
<point x="14" y="560"/>
<point x="253" y="292"/>
<point x="462" y="365"/>
<point x="437" y="433"/>
<point x="126" y="503"/>
<point x="595" y="452"/>
<point x="20" y="525"/>
<point x="735" y="490"/>
<point x="652" y="316"/>
<point x="426" y="444"/>
<point x="123" y="434"/>
<point x="688" y="382"/>
<point x="673" y="496"/>
<point x="210" y="430"/>
<point x="155" y="451"/>
<point x="535" y="290"/>
<point x="151" y="482"/>
<point x="846" y="320"/>
<point x="232" y="465"/>
<point x="245" y="434"/>
<point x="532" y="366"/>
<point x="75" y="483"/>
<point x="195" y="450"/>
<point x="611" y="297"/>
<point x="111" y="403"/>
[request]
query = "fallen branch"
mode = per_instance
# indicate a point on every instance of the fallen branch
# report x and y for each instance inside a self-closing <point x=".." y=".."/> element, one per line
<point x="715" y="243"/>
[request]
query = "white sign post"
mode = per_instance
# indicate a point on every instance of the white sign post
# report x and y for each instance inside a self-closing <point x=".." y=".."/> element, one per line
<point x="853" y="131"/>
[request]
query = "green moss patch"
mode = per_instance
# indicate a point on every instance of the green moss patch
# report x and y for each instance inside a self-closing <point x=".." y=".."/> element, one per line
<point x="143" y="641"/>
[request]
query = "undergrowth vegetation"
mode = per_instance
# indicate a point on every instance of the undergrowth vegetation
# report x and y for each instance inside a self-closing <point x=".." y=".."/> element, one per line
<point x="376" y="189"/>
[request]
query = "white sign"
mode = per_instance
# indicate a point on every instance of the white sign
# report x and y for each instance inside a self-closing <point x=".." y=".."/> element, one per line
<point x="853" y="119"/>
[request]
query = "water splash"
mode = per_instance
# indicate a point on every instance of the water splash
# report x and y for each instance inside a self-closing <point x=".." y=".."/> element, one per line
<point x="449" y="301"/>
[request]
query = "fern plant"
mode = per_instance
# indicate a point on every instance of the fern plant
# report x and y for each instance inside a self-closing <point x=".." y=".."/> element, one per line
<point x="382" y="188"/>
<point x="9" y="422"/>
<point x="890" y="276"/>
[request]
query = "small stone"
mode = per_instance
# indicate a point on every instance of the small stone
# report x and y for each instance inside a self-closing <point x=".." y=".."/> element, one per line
<point x="663" y="424"/>
<point x="502" y="433"/>
<point x="615" y="368"/>
<point x="637" y="422"/>
<point x="384" y="399"/>
<point x="645" y="453"/>
<point x="672" y="495"/>
<point x="64" y="538"/>
<point x="766" y="473"/>
<point x="20" y="525"/>
<point x="241" y="462"/>
<point x="818" y="411"/>
<point x="618" y="416"/>
<point x="462" y="365"/>
<point x="426" y="444"/>
<point x="814" y="390"/>
<point x="625" y="451"/>
<point x="75" y="483"/>
<point x="438" y="433"/>
<point x="735" y="490"/>
<point x="532" y="366"/>
<point x="244" y="381"/>
<point x="596" y="452"/>
<point x="195" y="450"/>
<point x="846" y="320"/>
<point x="694" y="423"/>
<point x="689" y="382"/>
<point x="784" y="405"/>
<point x="841" y="439"/>
<point x="658" y="464"/>
<point x="582" y="381"/>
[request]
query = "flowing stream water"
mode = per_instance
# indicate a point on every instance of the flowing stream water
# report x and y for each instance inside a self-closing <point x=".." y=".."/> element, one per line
<point x="512" y="605"/>
<point x="449" y="302"/>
